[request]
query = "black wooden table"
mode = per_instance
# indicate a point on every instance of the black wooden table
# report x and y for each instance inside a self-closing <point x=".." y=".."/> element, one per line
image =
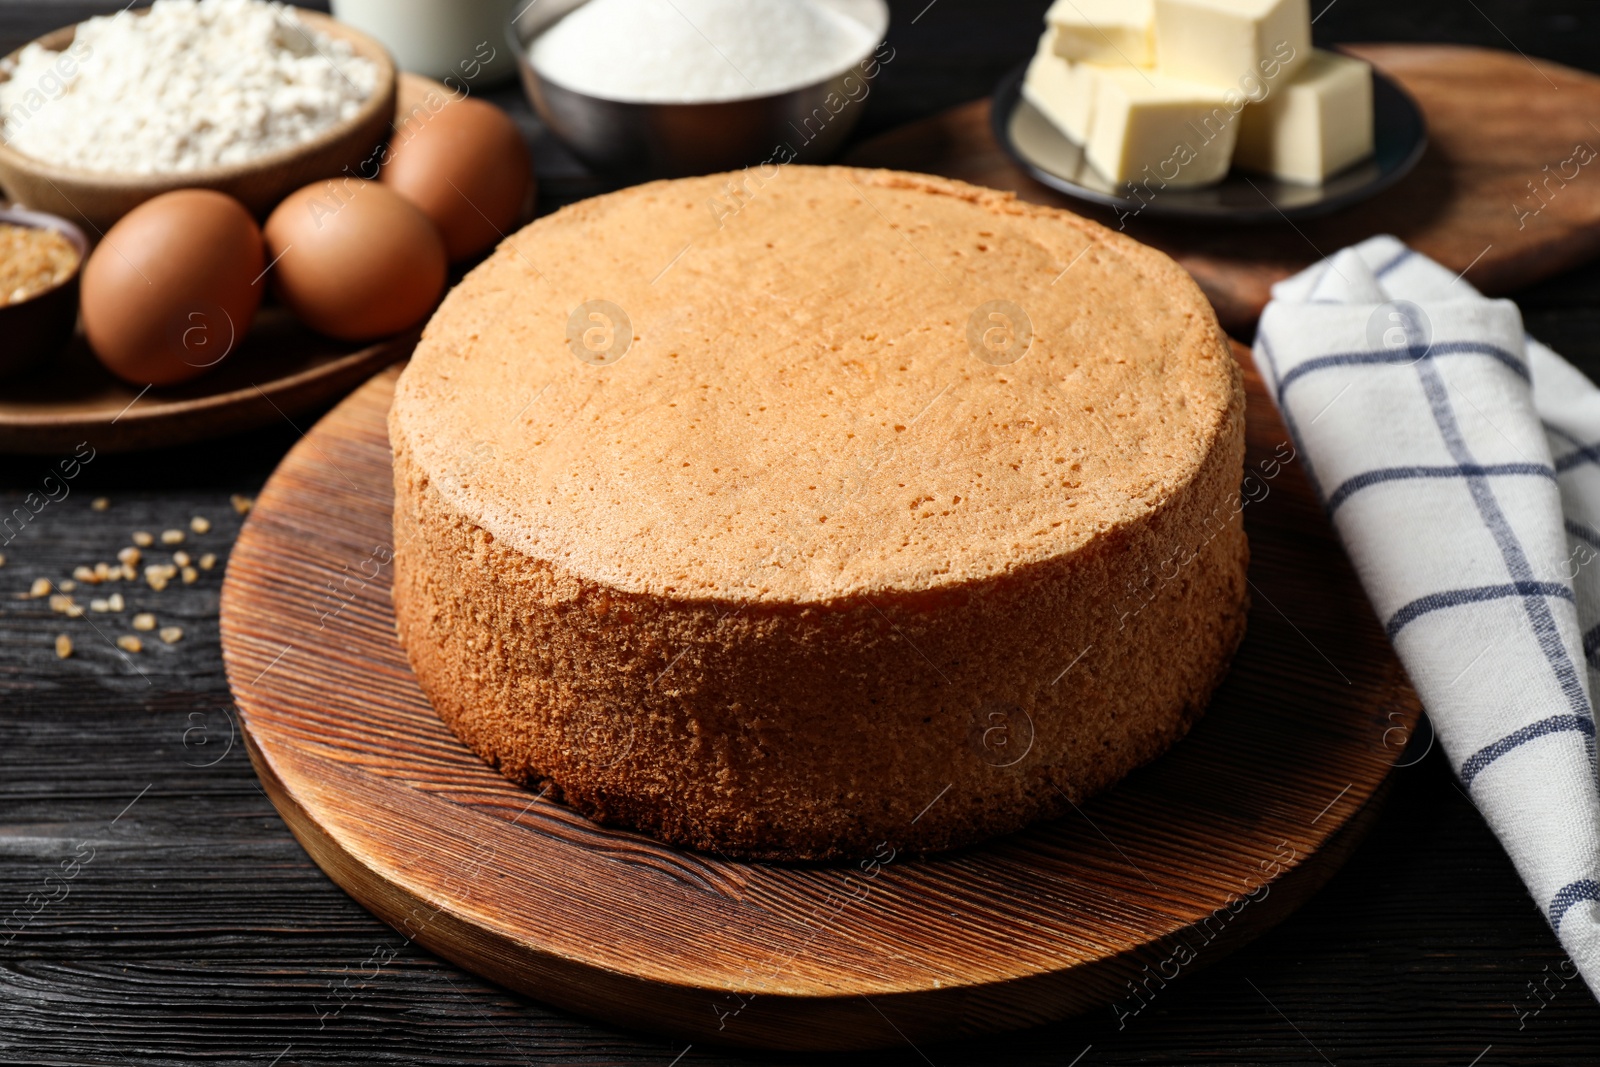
<point x="184" y="925"/>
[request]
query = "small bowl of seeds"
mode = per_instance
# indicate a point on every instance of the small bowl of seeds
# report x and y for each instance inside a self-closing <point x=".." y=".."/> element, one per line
<point x="40" y="258"/>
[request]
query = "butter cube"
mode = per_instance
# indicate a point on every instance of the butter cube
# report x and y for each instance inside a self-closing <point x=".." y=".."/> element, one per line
<point x="1062" y="90"/>
<point x="1159" y="131"/>
<point x="1232" y="43"/>
<point x="1104" y="31"/>
<point x="1314" y="126"/>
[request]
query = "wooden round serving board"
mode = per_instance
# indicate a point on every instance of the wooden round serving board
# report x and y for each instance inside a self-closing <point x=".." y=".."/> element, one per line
<point x="1495" y="121"/>
<point x="1189" y="857"/>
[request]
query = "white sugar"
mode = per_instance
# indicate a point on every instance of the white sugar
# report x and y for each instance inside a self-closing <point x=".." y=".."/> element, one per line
<point x="697" y="51"/>
<point x="186" y="86"/>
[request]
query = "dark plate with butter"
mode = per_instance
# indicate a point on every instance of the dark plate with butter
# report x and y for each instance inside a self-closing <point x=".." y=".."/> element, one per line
<point x="1400" y="136"/>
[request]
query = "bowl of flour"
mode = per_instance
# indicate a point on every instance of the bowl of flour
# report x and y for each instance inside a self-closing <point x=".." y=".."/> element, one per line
<point x="665" y="88"/>
<point x="250" y="98"/>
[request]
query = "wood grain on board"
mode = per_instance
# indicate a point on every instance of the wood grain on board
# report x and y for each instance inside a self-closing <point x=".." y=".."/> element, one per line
<point x="1188" y="858"/>
<point x="1481" y="198"/>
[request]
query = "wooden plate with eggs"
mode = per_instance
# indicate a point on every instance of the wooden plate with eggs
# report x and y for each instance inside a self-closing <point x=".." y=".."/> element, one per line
<point x="280" y="368"/>
<point x="326" y="325"/>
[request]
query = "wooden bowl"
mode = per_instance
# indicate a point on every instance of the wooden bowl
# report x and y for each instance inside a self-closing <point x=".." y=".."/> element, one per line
<point x="98" y="199"/>
<point x="40" y="325"/>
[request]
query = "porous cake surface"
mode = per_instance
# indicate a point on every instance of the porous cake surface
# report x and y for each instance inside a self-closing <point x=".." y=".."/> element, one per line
<point x="756" y="510"/>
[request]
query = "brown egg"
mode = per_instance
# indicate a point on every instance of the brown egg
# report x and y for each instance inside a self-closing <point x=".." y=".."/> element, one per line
<point x="173" y="286"/>
<point x="354" y="259"/>
<point x="467" y="168"/>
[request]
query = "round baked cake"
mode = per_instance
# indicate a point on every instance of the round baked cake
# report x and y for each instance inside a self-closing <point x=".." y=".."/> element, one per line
<point x="799" y="513"/>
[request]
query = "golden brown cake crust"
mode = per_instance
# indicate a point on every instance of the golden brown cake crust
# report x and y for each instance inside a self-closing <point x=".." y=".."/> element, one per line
<point x="800" y="563"/>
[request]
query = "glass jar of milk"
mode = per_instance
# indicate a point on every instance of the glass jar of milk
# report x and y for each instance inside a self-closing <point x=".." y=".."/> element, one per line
<point x="459" y="42"/>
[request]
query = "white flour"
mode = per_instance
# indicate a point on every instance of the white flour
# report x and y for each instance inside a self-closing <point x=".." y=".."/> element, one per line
<point x="697" y="51"/>
<point x="187" y="86"/>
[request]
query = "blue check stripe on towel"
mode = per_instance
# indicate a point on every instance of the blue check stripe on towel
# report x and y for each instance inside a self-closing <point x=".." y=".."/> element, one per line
<point x="1511" y="550"/>
<point x="1417" y="351"/>
<point x="1395" y="474"/>
<point x="1555" y="724"/>
<point x="1452" y="598"/>
<point x="1460" y="462"/>
<point x="1583" y="889"/>
<point x="1581" y="453"/>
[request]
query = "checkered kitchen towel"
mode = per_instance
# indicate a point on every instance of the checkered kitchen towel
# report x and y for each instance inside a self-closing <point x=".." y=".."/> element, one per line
<point x="1460" y="461"/>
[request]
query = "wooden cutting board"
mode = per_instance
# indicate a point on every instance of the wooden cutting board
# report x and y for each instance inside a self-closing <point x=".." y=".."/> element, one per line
<point x="1496" y="120"/>
<point x="1187" y="859"/>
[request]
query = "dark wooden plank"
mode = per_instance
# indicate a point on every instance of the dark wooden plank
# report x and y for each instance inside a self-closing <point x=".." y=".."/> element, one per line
<point x="225" y="966"/>
<point x="1419" y="952"/>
